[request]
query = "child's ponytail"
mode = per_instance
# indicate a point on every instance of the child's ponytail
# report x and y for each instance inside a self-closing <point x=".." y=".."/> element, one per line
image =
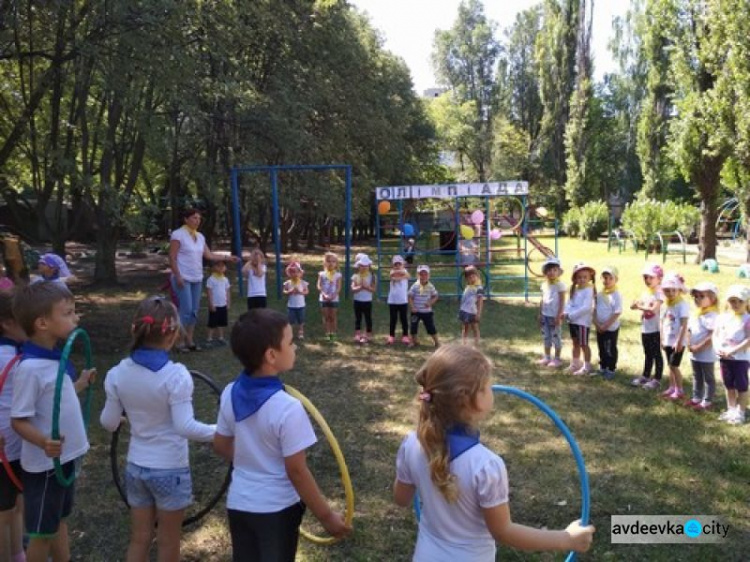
<point x="450" y="380"/>
<point x="155" y="320"/>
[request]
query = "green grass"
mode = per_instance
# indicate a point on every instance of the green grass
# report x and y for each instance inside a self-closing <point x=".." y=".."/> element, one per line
<point x="644" y="456"/>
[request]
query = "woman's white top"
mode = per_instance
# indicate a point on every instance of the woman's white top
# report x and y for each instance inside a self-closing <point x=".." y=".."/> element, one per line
<point x="190" y="255"/>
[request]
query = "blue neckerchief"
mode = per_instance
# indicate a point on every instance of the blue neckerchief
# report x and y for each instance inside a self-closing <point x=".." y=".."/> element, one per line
<point x="460" y="439"/>
<point x="153" y="359"/>
<point x="7" y="341"/>
<point x="250" y="393"/>
<point x="54" y="277"/>
<point x="30" y="350"/>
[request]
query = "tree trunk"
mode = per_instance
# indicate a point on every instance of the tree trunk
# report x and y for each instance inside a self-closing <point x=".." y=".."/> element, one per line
<point x="105" y="270"/>
<point x="707" y="238"/>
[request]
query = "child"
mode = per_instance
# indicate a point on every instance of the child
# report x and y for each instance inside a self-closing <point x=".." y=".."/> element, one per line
<point x="470" y="311"/>
<point x="6" y="283"/>
<point x="45" y="311"/>
<point x="463" y="485"/>
<point x="410" y="250"/>
<point x="52" y="268"/>
<point x="398" y="300"/>
<point x="255" y="277"/>
<point x="674" y="321"/>
<point x="422" y="297"/>
<point x="217" y="287"/>
<point x="650" y="306"/>
<point x="363" y="288"/>
<point x="296" y="289"/>
<point x="731" y="340"/>
<point x="329" y="285"/>
<point x="264" y="432"/>
<point x="580" y="312"/>
<point x="157" y="395"/>
<point x="607" y="322"/>
<point x="11" y="500"/>
<point x="700" y="334"/>
<point x="551" y="309"/>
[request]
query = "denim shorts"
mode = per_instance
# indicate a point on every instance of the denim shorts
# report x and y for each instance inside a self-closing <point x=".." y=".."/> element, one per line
<point x="296" y="315"/>
<point x="169" y="489"/>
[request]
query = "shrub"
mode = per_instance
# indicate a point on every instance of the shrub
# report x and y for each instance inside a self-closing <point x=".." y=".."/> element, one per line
<point x="587" y="222"/>
<point x="644" y="217"/>
<point x="571" y="222"/>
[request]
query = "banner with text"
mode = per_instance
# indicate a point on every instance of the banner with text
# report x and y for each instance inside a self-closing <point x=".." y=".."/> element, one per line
<point x="493" y="189"/>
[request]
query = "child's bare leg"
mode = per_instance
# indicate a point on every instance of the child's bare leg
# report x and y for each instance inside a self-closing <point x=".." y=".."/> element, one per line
<point x="576" y="350"/>
<point x="586" y="353"/>
<point x="677" y="378"/>
<point x="142" y="521"/>
<point x="475" y="330"/>
<point x="731" y="398"/>
<point x="464" y="332"/>
<point x="168" y="535"/>
<point x="334" y="321"/>
<point x="301" y="331"/>
<point x="39" y="549"/>
<point x="742" y="401"/>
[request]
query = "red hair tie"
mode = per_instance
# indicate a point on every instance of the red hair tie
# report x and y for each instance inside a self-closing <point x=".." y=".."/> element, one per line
<point x="147" y="320"/>
<point x="165" y="326"/>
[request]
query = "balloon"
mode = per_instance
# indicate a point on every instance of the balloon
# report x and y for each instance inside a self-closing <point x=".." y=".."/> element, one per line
<point x="467" y="232"/>
<point x="495" y="234"/>
<point x="384" y="207"/>
<point x="408" y="230"/>
<point x="542" y="212"/>
<point x="477" y="217"/>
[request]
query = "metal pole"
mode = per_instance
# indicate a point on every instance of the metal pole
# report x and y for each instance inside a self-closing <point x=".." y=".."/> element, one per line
<point x="348" y="233"/>
<point x="276" y="228"/>
<point x="236" y="221"/>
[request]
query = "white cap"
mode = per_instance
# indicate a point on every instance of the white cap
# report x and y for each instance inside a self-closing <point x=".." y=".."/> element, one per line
<point x="397" y="259"/>
<point x="738" y="292"/>
<point x="364" y="261"/>
<point x="549" y="262"/>
<point x="422" y="268"/>
<point x="612" y="270"/>
<point x="674" y="281"/>
<point x="706" y="287"/>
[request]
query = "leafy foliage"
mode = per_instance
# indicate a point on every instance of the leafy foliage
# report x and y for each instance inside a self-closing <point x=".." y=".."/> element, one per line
<point x="645" y="217"/>
<point x="587" y="222"/>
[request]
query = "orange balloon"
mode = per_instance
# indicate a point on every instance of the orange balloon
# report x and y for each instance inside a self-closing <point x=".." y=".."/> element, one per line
<point x="384" y="207"/>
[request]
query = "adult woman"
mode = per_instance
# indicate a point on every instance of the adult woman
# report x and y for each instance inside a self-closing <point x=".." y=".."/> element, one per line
<point x="187" y="248"/>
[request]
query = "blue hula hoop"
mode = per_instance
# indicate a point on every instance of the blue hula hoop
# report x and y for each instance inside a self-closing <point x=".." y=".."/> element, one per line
<point x="551" y="414"/>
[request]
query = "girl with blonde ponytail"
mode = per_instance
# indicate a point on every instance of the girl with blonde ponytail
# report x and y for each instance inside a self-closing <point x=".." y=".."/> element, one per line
<point x="463" y="485"/>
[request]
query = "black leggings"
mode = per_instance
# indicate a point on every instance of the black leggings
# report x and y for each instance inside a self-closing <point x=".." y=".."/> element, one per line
<point x="265" y="536"/>
<point x="363" y="309"/>
<point x="652" y="350"/>
<point x="607" y="343"/>
<point x="399" y="312"/>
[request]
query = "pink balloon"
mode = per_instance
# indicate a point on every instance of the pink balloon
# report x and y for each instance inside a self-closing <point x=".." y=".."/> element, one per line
<point x="477" y="217"/>
<point x="495" y="234"/>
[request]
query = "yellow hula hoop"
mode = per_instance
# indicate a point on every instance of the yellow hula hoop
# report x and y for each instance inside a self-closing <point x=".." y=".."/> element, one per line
<point x="345" y="479"/>
<point x="516" y="230"/>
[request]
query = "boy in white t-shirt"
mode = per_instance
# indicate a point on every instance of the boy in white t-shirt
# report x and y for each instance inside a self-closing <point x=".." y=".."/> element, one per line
<point x="46" y="312"/>
<point x="264" y="432"/>
<point x="219" y="298"/>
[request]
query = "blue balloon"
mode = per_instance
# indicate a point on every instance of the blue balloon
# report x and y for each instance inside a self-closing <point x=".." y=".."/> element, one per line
<point x="408" y="229"/>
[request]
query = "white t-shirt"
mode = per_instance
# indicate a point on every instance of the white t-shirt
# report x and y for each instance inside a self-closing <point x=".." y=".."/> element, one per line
<point x="650" y="320"/>
<point x="470" y="299"/>
<point x="671" y="320"/>
<point x="454" y="532"/>
<point x="399" y="291"/>
<point x="580" y="307"/>
<point x="256" y="285"/>
<point x="363" y="295"/>
<point x="730" y="331"/>
<point x="328" y="286"/>
<point x="219" y="287"/>
<point x="698" y="329"/>
<point x="190" y="255"/>
<point x="279" y="429"/>
<point x="33" y="394"/>
<point x="551" y="298"/>
<point x="296" y="300"/>
<point x="149" y="399"/>
<point x="12" y="439"/>
<point x="606" y="306"/>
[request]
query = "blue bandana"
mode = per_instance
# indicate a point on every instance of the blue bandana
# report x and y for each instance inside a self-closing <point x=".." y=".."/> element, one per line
<point x="250" y="393"/>
<point x="31" y="350"/>
<point x="153" y="359"/>
<point x="461" y="439"/>
<point x="8" y="341"/>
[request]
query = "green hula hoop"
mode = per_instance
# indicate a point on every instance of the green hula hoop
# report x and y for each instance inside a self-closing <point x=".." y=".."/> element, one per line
<point x="61" y="374"/>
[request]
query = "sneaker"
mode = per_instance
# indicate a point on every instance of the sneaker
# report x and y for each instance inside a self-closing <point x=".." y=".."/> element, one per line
<point x="692" y="403"/>
<point x="639" y="381"/>
<point x="582" y="371"/>
<point x="596" y="372"/>
<point x="608" y="375"/>
<point x="555" y="363"/>
<point x="727" y="414"/>
<point x="652" y="384"/>
<point x="357" y="338"/>
<point x="574" y="367"/>
<point x="676" y="395"/>
<point x="406" y="340"/>
<point x="737" y="419"/>
<point x="667" y="393"/>
<point x="703" y="406"/>
<point x="362" y="339"/>
<point x="390" y="340"/>
<point x="544" y="361"/>
<point x="300" y="336"/>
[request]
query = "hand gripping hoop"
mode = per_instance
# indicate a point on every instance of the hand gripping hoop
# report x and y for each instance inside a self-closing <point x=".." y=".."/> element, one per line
<point x="345" y="479"/>
<point x="584" y="478"/>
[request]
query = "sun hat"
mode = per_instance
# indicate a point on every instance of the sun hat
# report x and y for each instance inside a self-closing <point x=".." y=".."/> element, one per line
<point x="674" y="281"/>
<point x="580" y="267"/>
<point x="612" y="270"/>
<point x="56" y="262"/>
<point x="738" y="292"/>
<point x="422" y="268"/>
<point x="364" y="261"/>
<point x="397" y="259"/>
<point x="653" y="270"/>
<point x="294" y="265"/>
<point x="705" y="287"/>
<point x="551" y="261"/>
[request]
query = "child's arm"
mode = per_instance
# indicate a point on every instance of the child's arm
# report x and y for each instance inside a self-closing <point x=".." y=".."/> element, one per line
<point x="702" y="344"/>
<point x="503" y="529"/>
<point x="224" y="446"/>
<point x="338" y="286"/>
<point x="305" y="288"/>
<point x="319" y="284"/>
<point x="211" y="306"/>
<point x="680" y="344"/>
<point x="303" y="481"/>
<point x="576" y="313"/>
<point x="185" y="424"/>
<point x="287" y="289"/>
<point x="403" y="494"/>
<point x="229" y="296"/>
<point x="480" y="304"/>
<point x="23" y="426"/>
<point x="86" y="379"/>
<point x="111" y="416"/>
<point x="560" y="309"/>
<point x="356" y="286"/>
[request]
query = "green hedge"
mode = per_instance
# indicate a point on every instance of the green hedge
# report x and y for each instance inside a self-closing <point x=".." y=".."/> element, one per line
<point x="587" y="222"/>
<point x="645" y="217"/>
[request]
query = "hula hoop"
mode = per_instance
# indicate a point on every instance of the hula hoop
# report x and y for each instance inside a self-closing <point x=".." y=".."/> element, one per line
<point x="61" y="374"/>
<point x="583" y="475"/>
<point x="517" y="228"/>
<point x="113" y="462"/>
<point x="6" y="463"/>
<point x="345" y="479"/>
